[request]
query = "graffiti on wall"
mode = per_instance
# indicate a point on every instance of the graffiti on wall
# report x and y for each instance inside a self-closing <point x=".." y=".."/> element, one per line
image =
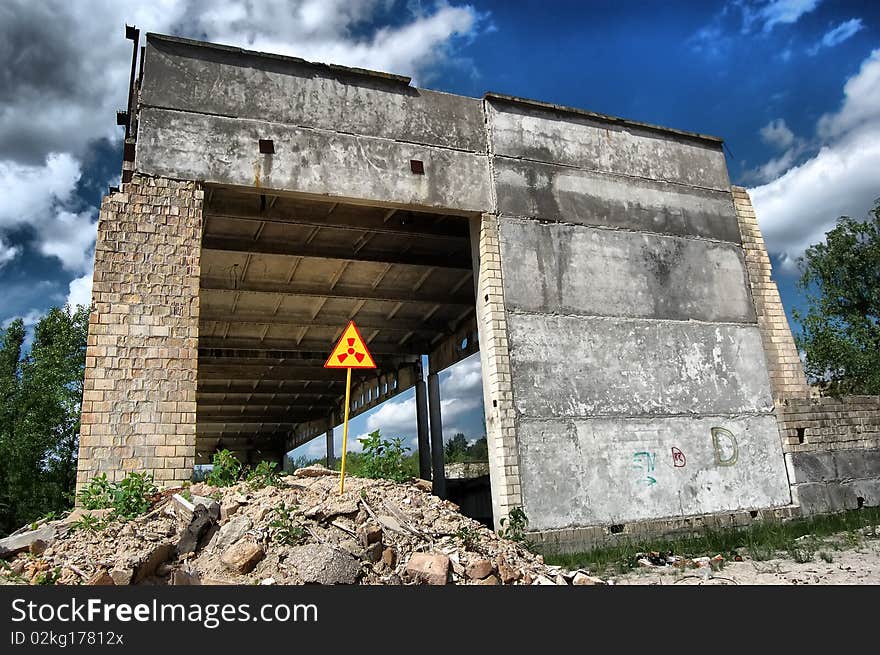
<point x="678" y="458"/>
<point x="644" y="462"/>
<point x="726" y="448"/>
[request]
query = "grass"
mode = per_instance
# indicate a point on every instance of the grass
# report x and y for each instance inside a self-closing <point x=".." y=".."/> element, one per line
<point x="798" y="539"/>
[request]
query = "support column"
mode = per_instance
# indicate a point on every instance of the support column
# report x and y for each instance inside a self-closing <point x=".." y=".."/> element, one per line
<point x="139" y="400"/>
<point x="331" y="459"/>
<point x="436" y="436"/>
<point x="422" y="422"/>
<point x="787" y="379"/>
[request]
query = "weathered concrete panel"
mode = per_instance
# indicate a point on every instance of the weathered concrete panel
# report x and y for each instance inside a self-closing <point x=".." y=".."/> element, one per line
<point x="230" y="82"/>
<point x="225" y="151"/>
<point x="556" y="137"/>
<point x="559" y="268"/>
<point x="613" y="470"/>
<point x="579" y="366"/>
<point x="560" y="193"/>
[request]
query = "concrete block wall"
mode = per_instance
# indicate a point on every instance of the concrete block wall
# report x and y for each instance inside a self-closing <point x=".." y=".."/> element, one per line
<point x="139" y="404"/>
<point x="832" y="450"/>
<point x="787" y="378"/>
<point x="639" y="381"/>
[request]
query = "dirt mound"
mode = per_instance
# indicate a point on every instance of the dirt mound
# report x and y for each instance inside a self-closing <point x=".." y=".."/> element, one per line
<point x="297" y="531"/>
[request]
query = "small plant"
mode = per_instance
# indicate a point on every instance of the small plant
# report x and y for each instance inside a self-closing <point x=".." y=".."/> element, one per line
<point x="826" y="556"/>
<point x="88" y="523"/>
<point x="128" y="498"/>
<point x="383" y="458"/>
<point x="284" y="528"/>
<point x="264" y="475"/>
<point x="516" y="523"/>
<point x="97" y="494"/>
<point x="187" y="493"/>
<point x="469" y="537"/>
<point x="49" y="577"/>
<point x="226" y="470"/>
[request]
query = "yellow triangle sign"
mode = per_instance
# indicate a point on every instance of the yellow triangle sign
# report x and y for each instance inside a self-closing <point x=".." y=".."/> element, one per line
<point x="350" y="351"/>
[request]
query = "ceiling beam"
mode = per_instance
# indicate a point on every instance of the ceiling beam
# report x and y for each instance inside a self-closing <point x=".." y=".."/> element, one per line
<point x="209" y="315"/>
<point x="339" y="291"/>
<point x="450" y="260"/>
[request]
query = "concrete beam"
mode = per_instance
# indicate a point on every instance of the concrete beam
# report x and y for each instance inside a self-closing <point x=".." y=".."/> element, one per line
<point x="578" y="366"/>
<point x="561" y="193"/>
<point x="331" y="459"/>
<point x="327" y="321"/>
<point x="223" y="81"/>
<point x="437" y="450"/>
<point x="224" y="151"/>
<point x="356" y="292"/>
<point x="422" y="429"/>
<point x="584" y="142"/>
<point x="570" y="269"/>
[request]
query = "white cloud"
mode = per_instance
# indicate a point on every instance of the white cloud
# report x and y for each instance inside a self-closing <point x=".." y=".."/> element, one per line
<point x="80" y="291"/>
<point x="782" y="12"/>
<point x="837" y="35"/>
<point x="777" y="134"/>
<point x="841" y="178"/>
<point x="7" y="252"/>
<point x="30" y="319"/>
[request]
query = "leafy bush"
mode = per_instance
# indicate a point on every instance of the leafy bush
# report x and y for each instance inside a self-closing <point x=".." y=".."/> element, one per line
<point x="128" y="498"/>
<point x="88" y="523"/>
<point x="516" y="521"/>
<point x="226" y="471"/>
<point x="264" y="475"/>
<point x="383" y="458"/>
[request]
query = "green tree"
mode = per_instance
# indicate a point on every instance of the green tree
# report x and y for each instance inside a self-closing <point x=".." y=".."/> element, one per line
<point x="40" y="400"/>
<point x="841" y="328"/>
<point x="456" y="448"/>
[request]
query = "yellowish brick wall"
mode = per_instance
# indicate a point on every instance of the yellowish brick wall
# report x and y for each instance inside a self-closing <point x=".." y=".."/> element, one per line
<point x="495" y="360"/>
<point x="787" y="379"/>
<point x="139" y="405"/>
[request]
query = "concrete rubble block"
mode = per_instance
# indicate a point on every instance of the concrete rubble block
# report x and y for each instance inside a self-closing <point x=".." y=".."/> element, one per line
<point x="573" y="366"/>
<point x="186" y="78"/>
<point x="323" y="564"/>
<point x="813" y="466"/>
<point x="623" y="470"/>
<point x="121" y="576"/>
<point x="228" y="508"/>
<point x="859" y="463"/>
<point x="559" y="193"/>
<point x="101" y="578"/>
<point x="574" y="139"/>
<point x="428" y="568"/>
<point x="222" y="150"/>
<point x="314" y="471"/>
<point x="582" y="579"/>
<point x="478" y="568"/>
<point x="489" y="580"/>
<point x="230" y="532"/>
<point x="813" y="498"/>
<point x="242" y="556"/>
<point x="570" y="269"/>
<point x="21" y="542"/>
<point x="201" y="521"/>
<point x="866" y="489"/>
<point x="369" y="533"/>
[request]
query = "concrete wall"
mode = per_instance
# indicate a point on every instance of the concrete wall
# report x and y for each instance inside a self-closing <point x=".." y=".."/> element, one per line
<point x="639" y="380"/>
<point x="139" y="404"/>
<point x="336" y="132"/>
<point x="832" y="451"/>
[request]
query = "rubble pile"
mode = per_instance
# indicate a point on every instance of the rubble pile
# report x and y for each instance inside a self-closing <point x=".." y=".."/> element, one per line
<point x="297" y="531"/>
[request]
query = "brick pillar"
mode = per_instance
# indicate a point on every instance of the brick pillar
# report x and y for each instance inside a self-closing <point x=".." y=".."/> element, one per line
<point x="495" y="362"/>
<point x="787" y="379"/>
<point x="139" y="406"/>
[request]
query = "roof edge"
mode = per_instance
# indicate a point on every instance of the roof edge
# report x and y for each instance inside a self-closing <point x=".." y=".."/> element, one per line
<point x="491" y="95"/>
<point x="349" y="70"/>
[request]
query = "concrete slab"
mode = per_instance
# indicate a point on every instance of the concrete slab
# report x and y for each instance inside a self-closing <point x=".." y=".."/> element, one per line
<point x="231" y="82"/>
<point x="561" y="193"/>
<point x="568" y="269"/>
<point x="225" y="151"/>
<point x="569" y="366"/>
<point x="618" y="470"/>
<point x="544" y="135"/>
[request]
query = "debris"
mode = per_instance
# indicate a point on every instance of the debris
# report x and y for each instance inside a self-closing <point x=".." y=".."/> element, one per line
<point x="314" y="471"/>
<point x="230" y="532"/>
<point x="20" y="542"/>
<point x="428" y="568"/>
<point x="242" y="557"/>
<point x="478" y="569"/>
<point x="322" y="564"/>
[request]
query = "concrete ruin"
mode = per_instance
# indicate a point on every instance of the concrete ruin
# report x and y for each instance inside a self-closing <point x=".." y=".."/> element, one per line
<point x="631" y="339"/>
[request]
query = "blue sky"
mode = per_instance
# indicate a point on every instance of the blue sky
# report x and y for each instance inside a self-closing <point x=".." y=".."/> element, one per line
<point x="793" y="86"/>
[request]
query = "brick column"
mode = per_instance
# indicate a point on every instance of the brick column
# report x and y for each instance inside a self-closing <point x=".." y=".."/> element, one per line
<point x="787" y="379"/>
<point x="495" y="362"/>
<point x="139" y="406"/>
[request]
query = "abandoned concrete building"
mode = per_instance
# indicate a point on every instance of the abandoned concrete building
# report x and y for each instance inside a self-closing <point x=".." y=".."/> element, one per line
<point x="639" y="374"/>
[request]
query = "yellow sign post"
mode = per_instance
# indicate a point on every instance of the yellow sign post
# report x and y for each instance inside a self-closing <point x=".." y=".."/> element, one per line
<point x="350" y="352"/>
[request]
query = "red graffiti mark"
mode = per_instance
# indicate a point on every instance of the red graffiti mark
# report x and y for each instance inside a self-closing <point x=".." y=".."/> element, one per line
<point x="678" y="458"/>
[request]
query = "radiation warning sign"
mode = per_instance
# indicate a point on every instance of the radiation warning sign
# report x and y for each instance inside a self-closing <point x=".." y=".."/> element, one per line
<point x="350" y="351"/>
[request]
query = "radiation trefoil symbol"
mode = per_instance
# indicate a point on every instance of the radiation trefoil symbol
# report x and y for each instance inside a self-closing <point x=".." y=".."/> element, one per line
<point x="350" y="351"/>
